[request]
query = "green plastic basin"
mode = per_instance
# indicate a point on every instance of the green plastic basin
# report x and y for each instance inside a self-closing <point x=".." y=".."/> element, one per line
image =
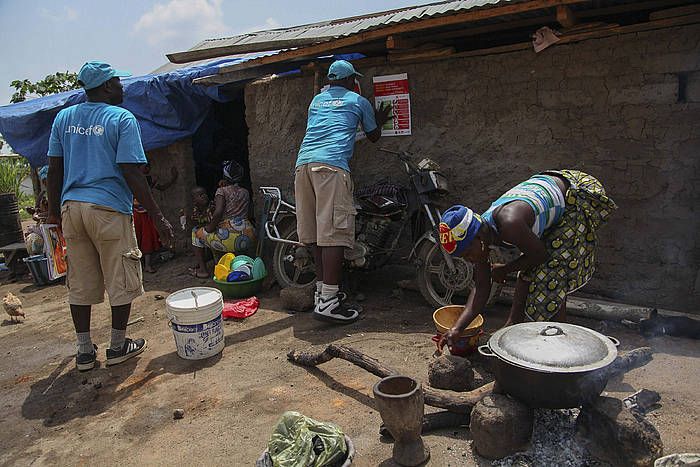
<point x="239" y="289"/>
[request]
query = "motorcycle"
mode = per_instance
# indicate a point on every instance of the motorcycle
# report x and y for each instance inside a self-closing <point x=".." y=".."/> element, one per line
<point x="385" y="214"/>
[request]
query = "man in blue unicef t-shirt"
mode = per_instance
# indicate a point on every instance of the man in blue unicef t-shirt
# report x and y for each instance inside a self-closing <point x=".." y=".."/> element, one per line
<point x="323" y="187"/>
<point x="95" y="155"/>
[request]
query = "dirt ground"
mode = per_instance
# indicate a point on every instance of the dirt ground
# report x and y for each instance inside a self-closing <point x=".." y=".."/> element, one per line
<point x="54" y="415"/>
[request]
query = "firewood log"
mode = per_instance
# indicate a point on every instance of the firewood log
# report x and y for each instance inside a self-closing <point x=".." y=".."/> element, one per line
<point x="458" y="402"/>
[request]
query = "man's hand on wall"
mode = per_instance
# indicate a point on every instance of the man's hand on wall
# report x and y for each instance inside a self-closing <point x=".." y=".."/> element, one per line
<point x="381" y="115"/>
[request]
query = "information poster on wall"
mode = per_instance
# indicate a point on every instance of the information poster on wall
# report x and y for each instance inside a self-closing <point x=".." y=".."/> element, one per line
<point x="393" y="90"/>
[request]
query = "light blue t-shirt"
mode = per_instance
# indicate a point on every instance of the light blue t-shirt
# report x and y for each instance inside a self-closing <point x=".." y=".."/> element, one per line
<point x="330" y="131"/>
<point x="92" y="138"/>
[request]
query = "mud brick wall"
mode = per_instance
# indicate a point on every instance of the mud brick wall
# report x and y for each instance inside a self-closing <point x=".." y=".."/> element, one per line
<point x="612" y="107"/>
<point x="177" y="197"/>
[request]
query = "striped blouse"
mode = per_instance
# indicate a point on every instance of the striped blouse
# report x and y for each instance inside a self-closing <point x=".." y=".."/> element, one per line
<point x="543" y="195"/>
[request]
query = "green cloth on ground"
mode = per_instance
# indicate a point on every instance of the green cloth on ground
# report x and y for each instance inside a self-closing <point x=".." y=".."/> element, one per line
<point x="300" y="441"/>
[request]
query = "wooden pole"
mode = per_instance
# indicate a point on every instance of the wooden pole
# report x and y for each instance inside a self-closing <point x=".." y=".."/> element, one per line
<point x="457" y="402"/>
<point x="595" y="309"/>
<point x="318" y="78"/>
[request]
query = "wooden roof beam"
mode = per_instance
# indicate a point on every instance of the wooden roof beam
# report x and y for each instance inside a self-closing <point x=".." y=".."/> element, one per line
<point x="204" y="54"/>
<point x="675" y="12"/>
<point x="475" y="31"/>
<point x="611" y="30"/>
<point x="543" y="20"/>
<point x="230" y="73"/>
<point x="573" y="37"/>
<point x="396" y="42"/>
<point x="629" y="7"/>
<point x="382" y="33"/>
<point x="567" y="38"/>
<point x="245" y="74"/>
<point x="566" y="17"/>
<point x="396" y="56"/>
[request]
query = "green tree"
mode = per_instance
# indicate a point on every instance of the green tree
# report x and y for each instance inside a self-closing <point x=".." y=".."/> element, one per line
<point x="52" y="84"/>
<point x="12" y="171"/>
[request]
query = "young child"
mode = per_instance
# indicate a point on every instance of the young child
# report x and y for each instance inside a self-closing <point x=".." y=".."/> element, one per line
<point x="201" y="207"/>
<point x="146" y="233"/>
<point x="202" y="211"/>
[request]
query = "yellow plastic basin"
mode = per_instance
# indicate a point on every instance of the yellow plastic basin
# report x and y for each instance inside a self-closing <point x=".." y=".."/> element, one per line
<point x="445" y="317"/>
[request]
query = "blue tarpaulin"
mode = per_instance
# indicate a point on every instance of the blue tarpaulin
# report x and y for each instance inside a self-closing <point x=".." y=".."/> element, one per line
<point x="167" y="105"/>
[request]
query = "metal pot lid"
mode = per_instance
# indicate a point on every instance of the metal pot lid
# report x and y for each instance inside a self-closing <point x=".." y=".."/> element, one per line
<point x="553" y="347"/>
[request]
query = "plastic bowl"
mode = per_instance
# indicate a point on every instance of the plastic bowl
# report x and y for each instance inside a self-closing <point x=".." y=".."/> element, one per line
<point x="447" y="316"/>
<point x="239" y="289"/>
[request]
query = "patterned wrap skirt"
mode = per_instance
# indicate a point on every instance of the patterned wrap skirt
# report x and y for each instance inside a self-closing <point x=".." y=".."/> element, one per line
<point x="232" y="236"/>
<point x="571" y="246"/>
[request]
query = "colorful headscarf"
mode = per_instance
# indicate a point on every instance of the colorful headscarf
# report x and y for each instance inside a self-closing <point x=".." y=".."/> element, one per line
<point x="233" y="171"/>
<point x="458" y="228"/>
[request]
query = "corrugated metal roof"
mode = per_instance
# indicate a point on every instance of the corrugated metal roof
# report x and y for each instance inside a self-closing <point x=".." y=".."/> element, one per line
<point x="220" y="61"/>
<point x="347" y="26"/>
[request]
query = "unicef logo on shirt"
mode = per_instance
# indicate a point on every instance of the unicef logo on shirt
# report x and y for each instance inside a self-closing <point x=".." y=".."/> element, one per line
<point x="96" y="130"/>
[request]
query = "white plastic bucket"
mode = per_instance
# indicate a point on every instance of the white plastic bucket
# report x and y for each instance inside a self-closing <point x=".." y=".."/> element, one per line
<point x="195" y="318"/>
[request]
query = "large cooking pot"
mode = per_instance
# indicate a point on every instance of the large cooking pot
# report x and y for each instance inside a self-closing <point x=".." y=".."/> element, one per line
<point x="551" y="365"/>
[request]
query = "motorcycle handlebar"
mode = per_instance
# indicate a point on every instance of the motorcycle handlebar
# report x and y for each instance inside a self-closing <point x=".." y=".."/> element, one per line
<point x="403" y="156"/>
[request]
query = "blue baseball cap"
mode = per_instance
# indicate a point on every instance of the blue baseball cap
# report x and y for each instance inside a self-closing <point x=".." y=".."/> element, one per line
<point x="94" y="74"/>
<point x="341" y="69"/>
<point x="458" y="228"/>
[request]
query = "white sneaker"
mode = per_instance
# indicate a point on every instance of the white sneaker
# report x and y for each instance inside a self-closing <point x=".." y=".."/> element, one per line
<point x="342" y="296"/>
<point x="335" y="311"/>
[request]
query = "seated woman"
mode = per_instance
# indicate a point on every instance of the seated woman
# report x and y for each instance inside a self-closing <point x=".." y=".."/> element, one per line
<point x="230" y="230"/>
<point x="552" y="218"/>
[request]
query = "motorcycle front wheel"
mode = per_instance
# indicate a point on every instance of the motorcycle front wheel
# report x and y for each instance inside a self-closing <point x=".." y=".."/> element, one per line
<point x="292" y="265"/>
<point x="440" y="286"/>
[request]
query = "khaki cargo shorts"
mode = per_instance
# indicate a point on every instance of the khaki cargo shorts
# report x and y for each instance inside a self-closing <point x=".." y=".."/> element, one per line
<point x="325" y="206"/>
<point x="102" y="253"/>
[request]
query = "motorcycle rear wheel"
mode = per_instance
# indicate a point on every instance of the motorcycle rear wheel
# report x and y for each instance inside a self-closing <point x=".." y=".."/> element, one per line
<point x="293" y="266"/>
<point x="439" y="286"/>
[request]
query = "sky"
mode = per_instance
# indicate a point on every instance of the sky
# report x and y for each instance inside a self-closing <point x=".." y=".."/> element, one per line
<point x="40" y="37"/>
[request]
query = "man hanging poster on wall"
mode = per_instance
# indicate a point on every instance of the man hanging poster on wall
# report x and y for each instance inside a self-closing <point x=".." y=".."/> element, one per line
<point x="393" y="89"/>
